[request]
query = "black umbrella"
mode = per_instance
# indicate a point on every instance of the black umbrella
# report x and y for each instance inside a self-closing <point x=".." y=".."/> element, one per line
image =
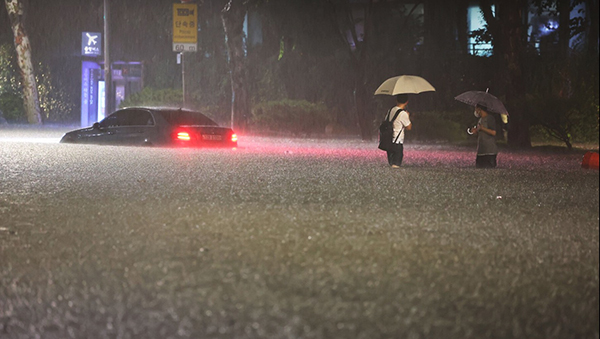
<point x="485" y="99"/>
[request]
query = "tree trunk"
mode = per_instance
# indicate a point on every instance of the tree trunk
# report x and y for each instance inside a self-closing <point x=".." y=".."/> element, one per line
<point x="23" y="47"/>
<point x="507" y="30"/>
<point x="365" y="120"/>
<point x="233" y="23"/>
<point x="512" y="14"/>
<point x="345" y="22"/>
<point x="361" y="96"/>
<point x="462" y="10"/>
<point x="592" y="14"/>
<point x="564" y="28"/>
<point x="438" y="52"/>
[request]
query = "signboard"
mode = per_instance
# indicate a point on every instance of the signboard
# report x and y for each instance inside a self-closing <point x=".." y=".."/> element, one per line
<point x="91" y="44"/>
<point x="91" y="73"/>
<point x="101" y="101"/>
<point x="185" y="27"/>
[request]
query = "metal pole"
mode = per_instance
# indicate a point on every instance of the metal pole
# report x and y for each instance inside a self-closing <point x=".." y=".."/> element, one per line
<point x="108" y="106"/>
<point x="183" y="76"/>
<point x="183" y="66"/>
<point x="232" y="105"/>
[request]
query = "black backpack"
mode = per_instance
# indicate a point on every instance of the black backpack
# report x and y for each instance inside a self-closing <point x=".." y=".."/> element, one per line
<point x="386" y="131"/>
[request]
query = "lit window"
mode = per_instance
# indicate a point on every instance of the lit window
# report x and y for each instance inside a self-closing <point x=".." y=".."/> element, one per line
<point x="476" y="21"/>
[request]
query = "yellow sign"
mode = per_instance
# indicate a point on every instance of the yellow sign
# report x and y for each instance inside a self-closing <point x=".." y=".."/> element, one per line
<point x="185" y="27"/>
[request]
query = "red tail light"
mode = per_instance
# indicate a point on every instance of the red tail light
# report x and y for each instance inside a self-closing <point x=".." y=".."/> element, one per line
<point x="234" y="138"/>
<point x="183" y="136"/>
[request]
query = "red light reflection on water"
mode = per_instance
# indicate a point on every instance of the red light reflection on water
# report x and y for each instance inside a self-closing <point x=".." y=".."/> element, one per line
<point x="415" y="155"/>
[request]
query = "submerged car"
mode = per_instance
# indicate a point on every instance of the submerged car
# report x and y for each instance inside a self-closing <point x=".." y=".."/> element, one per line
<point x="151" y="126"/>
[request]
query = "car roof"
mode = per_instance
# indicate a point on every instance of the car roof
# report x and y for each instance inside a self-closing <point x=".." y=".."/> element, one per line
<point x="161" y="108"/>
<point x="167" y="114"/>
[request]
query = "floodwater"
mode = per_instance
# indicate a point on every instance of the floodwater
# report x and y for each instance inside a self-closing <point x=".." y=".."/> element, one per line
<point x="292" y="238"/>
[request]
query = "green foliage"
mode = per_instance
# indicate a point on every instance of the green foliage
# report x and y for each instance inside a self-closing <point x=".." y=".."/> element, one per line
<point x="221" y="115"/>
<point x="174" y="98"/>
<point x="11" y="102"/>
<point x="154" y="97"/>
<point x="56" y="103"/>
<point x="8" y="69"/>
<point x="295" y="117"/>
<point x="11" y="106"/>
<point x="268" y="85"/>
<point x="564" y="119"/>
<point x="439" y="126"/>
<point x="553" y="115"/>
<point x="563" y="99"/>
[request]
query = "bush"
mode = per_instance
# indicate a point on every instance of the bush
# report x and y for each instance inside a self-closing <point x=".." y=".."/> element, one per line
<point x="564" y="119"/>
<point x="220" y="115"/>
<point x="290" y="117"/>
<point x="174" y="98"/>
<point x="55" y="102"/>
<point x="562" y="101"/>
<point x="439" y="126"/>
<point x="11" y="106"/>
<point x="56" y="105"/>
<point x="154" y="97"/>
<point x="11" y="102"/>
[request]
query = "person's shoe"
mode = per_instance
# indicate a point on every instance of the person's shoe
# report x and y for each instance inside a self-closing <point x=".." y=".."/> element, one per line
<point x="395" y="166"/>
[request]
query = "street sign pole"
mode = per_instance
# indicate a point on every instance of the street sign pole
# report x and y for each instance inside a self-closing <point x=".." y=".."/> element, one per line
<point x="183" y="76"/>
<point x="107" y="69"/>
<point x="185" y="34"/>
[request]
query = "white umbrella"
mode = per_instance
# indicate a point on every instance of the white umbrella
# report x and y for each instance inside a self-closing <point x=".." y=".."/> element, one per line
<point x="404" y="84"/>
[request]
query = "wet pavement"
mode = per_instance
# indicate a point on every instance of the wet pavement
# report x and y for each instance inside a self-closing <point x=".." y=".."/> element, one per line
<point x="292" y="238"/>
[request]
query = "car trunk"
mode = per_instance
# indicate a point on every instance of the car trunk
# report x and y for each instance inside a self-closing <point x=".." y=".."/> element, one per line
<point x="204" y="136"/>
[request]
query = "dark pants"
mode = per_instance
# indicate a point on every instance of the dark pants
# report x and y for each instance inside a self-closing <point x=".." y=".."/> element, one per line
<point x="396" y="154"/>
<point x="486" y="161"/>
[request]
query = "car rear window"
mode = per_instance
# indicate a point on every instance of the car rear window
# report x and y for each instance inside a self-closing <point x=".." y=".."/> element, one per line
<point x="187" y="118"/>
<point x="128" y="117"/>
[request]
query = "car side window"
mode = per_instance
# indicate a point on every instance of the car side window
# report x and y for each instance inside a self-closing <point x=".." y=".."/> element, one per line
<point x="111" y="120"/>
<point x="128" y="118"/>
<point x="139" y="118"/>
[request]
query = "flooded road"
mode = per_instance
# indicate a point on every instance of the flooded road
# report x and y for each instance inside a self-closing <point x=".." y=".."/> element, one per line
<point x="291" y="238"/>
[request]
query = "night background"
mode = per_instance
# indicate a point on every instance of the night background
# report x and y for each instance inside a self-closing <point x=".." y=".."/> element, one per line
<point x="303" y="230"/>
<point x="307" y="65"/>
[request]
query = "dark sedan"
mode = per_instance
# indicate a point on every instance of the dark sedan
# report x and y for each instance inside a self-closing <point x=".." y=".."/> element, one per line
<point x="155" y="126"/>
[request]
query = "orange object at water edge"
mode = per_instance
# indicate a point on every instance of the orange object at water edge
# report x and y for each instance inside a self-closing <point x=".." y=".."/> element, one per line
<point x="590" y="160"/>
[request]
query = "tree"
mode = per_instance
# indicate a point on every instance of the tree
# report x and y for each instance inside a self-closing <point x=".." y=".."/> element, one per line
<point x="233" y="16"/>
<point x="348" y="20"/>
<point x="592" y="32"/>
<point x="381" y="40"/>
<point x="560" y="100"/>
<point x="30" y="93"/>
<point x="443" y="49"/>
<point x="507" y="30"/>
<point x="564" y="28"/>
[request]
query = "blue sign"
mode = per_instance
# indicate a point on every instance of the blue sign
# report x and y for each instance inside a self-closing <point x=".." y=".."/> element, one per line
<point x="90" y="76"/>
<point x="91" y="44"/>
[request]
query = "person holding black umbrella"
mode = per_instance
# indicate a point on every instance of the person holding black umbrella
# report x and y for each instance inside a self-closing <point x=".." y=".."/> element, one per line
<point x="487" y="149"/>
<point x="485" y="103"/>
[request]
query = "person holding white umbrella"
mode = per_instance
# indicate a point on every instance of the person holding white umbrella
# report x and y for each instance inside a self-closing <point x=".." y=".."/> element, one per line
<point x="400" y="118"/>
<point x="400" y="86"/>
